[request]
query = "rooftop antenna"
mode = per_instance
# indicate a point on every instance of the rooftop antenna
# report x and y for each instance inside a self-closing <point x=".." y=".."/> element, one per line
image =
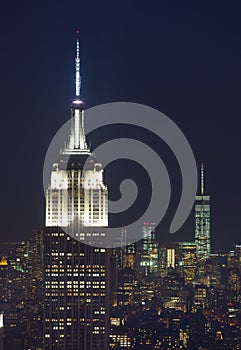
<point x="202" y="179"/>
<point x="77" y="66"/>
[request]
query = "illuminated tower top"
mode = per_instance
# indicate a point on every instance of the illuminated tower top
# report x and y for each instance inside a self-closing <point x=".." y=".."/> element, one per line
<point x="202" y="220"/>
<point x="77" y="143"/>
<point x="3" y="261"/>
<point x="76" y="195"/>
<point x="77" y="68"/>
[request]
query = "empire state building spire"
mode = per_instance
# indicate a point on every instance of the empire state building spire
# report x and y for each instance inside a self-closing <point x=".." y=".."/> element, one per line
<point x="77" y="68"/>
<point x="77" y="141"/>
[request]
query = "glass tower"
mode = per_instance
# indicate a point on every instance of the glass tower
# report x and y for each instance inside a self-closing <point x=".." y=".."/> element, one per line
<point x="149" y="250"/>
<point x="202" y="221"/>
<point x="76" y="275"/>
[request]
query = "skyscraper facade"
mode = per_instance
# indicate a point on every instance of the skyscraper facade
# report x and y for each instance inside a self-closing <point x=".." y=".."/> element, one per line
<point x="186" y="260"/>
<point x="148" y="250"/>
<point x="76" y="275"/>
<point x="202" y="221"/>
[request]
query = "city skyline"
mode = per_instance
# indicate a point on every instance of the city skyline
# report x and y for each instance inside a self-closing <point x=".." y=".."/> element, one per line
<point x="100" y="248"/>
<point x="199" y="103"/>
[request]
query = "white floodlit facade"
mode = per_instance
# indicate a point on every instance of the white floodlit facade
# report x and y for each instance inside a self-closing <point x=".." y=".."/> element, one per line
<point x="76" y="193"/>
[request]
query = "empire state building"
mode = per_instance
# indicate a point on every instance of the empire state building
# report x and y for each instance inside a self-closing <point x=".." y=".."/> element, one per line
<point x="76" y="306"/>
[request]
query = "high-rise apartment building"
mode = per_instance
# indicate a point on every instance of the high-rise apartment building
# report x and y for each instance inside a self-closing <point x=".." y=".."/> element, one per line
<point x="76" y="275"/>
<point x="202" y="221"/>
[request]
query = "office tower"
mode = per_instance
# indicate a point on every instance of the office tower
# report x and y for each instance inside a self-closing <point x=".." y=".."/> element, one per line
<point x="186" y="260"/>
<point x="202" y="221"/>
<point x="119" y="249"/>
<point x="4" y="280"/>
<point x="8" y="249"/>
<point x="125" y="254"/>
<point x="76" y="275"/>
<point x="126" y="285"/>
<point x="163" y="261"/>
<point x="34" y="262"/>
<point x="148" y="254"/>
<point x="123" y="274"/>
<point x="171" y="258"/>
<point x="237" y="257"/>
<point x="219" y="269"/>
<point x="130" y="256"/>
<point x="200" y="297"/>
<point x="167" y="260"/>
<point x="233" y="285"/>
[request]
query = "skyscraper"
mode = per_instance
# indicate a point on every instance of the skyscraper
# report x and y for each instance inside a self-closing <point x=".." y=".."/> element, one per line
<point x="202" y="221"/>
<point x="76" y="275"/>
<point x="186" y="260"/>
<point x="148" y="250"/>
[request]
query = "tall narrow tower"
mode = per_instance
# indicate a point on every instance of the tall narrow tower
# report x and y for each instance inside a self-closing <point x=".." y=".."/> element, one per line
<point x="148" y="250"/>
<point x="202" y="220"/>
<point x="76" y="275"/>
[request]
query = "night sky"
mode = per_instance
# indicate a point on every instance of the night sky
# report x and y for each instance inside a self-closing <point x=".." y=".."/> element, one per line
<point x="181" y="58"/>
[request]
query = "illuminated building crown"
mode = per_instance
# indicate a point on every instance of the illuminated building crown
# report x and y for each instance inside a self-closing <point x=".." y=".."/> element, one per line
<point x="77" y="143"/>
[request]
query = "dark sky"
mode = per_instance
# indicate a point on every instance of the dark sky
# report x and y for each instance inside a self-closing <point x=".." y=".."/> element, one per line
<point x="181" y="57"/>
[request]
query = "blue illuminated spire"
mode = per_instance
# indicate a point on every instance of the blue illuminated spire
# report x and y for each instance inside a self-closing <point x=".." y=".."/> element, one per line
<point x="77" y="143"/>
<point x="77" y="67"/>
